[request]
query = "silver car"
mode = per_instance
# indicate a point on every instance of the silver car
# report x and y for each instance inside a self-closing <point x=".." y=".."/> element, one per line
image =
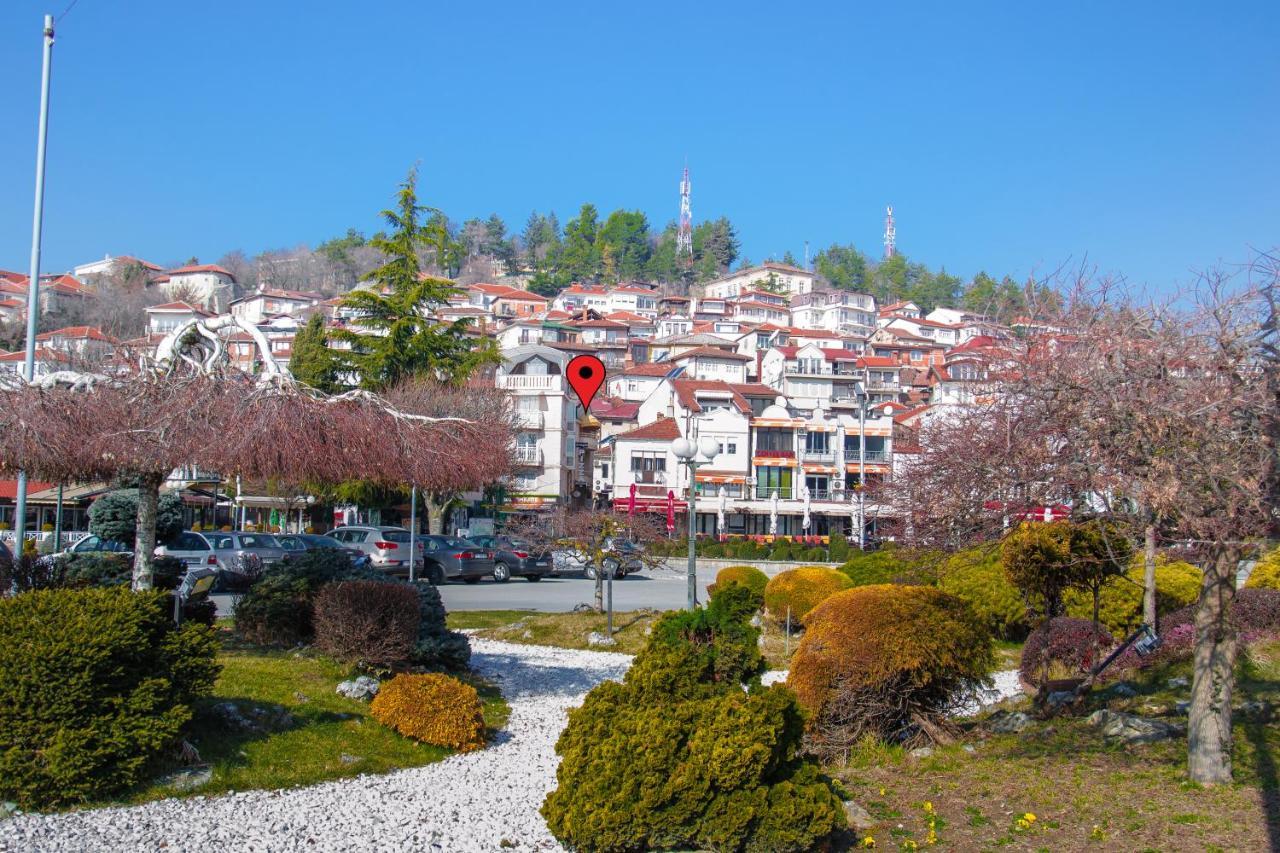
<point x="191" y="548"/>
<point x="387" y="547"/>
<point x="229" y="546"/>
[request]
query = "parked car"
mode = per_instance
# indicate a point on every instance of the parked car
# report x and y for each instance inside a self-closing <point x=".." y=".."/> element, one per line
<point x="294" y="543"/>
<point x="92" y="544"/>
<point x="622" y="557"/>
<point x="192" y="548"/>
<point x="387" y="547"/>
<point x="227" y="545"/>
<point x="515" y="557"/>
<point x="449" y="558"/>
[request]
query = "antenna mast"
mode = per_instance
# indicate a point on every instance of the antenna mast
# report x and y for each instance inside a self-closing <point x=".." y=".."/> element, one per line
<point x="684" y="237"/>
<point x="890" y="234"/>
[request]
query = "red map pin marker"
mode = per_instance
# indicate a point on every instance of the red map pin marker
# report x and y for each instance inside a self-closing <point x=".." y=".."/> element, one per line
<point x="586" y="375"/>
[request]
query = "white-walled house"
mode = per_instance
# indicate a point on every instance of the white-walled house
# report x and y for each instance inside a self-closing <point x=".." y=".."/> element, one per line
<point x="836" y="310"/>
<point x="713" y="363"/>
<point x="209" y="285"/>
<point x="163" y="319"/>
<point x="792" y="280"/>
<point x="268" y="303"/>
<point x="81" y="342"/>
<point x="944" y="333"/>
<point x="547" y="413"/>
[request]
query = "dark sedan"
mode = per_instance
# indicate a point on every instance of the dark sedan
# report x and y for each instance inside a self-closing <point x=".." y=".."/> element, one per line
<point x="294" y="543"/>
<point x="515" y="557"/>
<point x="448" y="558"/>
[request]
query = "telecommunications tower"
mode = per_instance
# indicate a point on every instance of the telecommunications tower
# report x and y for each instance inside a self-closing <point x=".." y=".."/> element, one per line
<point x="684" y="237"/>
<point x="890" y="234"/>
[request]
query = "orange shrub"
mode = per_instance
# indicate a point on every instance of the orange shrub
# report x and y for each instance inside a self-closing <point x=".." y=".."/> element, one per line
<point x="432" y="708"/>
<point x="801" y="589"/>
<point x="885" y="660"/>
<point x="748" y="576"/>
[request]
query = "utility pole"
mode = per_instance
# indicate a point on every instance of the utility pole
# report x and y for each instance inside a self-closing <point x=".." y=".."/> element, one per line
<point x="33" y="285"/>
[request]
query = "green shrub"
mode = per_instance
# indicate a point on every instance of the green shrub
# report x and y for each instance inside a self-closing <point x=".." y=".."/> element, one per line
<point x="976" y="576"/>
<point x="104" y="569"/>
<point x="838" y="548"/>
<point x="678" y="756"/>
<point x="749" y="576"/>
<point x="1266" y="572"/>
<point x="1120" y="602"/>
<point x="114" y="516"/>
<point x="277" y="609"/>
<point x="801" y="589"/>
<point x="877" y="660"/>
<point x="95" y="684"/>
<point x="713" y="550"/>
<point x="815" y="555"/>
<point x="781" y="551"/>
<point x="437" y="647"/>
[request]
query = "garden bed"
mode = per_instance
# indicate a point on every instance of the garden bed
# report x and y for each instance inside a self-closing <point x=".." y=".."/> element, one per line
<point x="562" y="630"/>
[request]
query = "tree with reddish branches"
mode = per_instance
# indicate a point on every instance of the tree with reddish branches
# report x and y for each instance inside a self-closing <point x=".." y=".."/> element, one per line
<point x="1138" y="415"/>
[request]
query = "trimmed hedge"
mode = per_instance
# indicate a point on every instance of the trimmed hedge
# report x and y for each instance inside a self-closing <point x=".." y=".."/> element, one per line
<point x="1063" y="647"/>
<point x="976" y="576"/>
<point x="432" y="708"/>
<point x="1120" y="604"/>
<point x="748" y="576"/>
<point x="367" y="622"/>
<point x="801" y="589"/>
<point x="878" y="660"/>
<point x="95" y="685"/>
<point x="887" y="564"/>
<point x="1266" y="573"/>
<point x="678" y="756"/>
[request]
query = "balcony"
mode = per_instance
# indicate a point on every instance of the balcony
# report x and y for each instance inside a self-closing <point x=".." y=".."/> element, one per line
<point x="765" y="493"/>
<point x="877" y="456"/>
<point x="529" y="419"/>
<point x="824" y="456"/>
<point x="521" y="382"/>
<point x="527" y="454"/>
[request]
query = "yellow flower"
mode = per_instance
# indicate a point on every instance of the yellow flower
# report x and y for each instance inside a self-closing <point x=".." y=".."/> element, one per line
<point x="910" y="845"/>
<point x="932" y="838"/>
<point x="928" y="807"/>
<point x="882" y="792"/>
<point x="1029" y="817"/>
<point x="868" y="842"/>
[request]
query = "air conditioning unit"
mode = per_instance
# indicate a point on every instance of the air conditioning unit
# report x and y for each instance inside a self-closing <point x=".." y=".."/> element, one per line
<point x="751" y="481"/>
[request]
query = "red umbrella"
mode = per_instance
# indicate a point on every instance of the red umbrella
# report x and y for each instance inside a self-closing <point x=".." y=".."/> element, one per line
<point x="631" y="501"/>
<point x="671" y="511"/>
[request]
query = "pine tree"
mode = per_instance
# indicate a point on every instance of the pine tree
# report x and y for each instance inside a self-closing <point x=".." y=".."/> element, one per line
<point x="313" y="363"/>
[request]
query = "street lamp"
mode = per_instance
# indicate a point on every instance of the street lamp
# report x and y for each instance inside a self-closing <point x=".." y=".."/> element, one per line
<point x="687" y="452"/>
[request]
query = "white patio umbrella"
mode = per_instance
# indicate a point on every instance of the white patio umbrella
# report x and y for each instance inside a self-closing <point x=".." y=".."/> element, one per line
<point x="720" y="510"/>
<point x="804" y="493"/>
<point x="773" y="514"/>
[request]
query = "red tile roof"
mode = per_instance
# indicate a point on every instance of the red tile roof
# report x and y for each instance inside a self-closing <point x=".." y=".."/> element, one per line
<point x="630" y="318"/>
<point x="198" y="268"/>
<point x="615" y="409"/>
<point x="179" y="306"/>
<point x="711" y="352"/>
<point x="663" y="429"/>
<point x="42" y="354"/>
<point x="9" y="488"/>
<point x="878" y="361"/>
<point x="506" y="291"/>
<point x="686" y="392"/>
<point x="655" y="368"/>
<point x="90" y="332"/>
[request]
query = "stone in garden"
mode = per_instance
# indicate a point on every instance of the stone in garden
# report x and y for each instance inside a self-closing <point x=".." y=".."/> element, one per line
<point x="921" y="752"/>
<point x="349" y="759"/>
<point x="1259" y="711"/>
<point x="1005" y="723"/>
<point x="301" y="698"/>
<point x="187" y="778"/>
<point x="1124" y="690"/>
<point x="1182" y="707"/>
<point x="363" y="687"/>
<point x="969" y="748"/>
<point x="1180" y="681"/>
<point x="9" y="809"/>
<point x="234" y="718"/>
<point x="859" y="818"/>
<point x="595" y="638"/>
<point x="1129" y="728"/>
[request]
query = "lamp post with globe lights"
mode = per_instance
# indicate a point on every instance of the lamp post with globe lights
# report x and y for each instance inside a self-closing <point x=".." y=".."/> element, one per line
<point x="688" y="453"/>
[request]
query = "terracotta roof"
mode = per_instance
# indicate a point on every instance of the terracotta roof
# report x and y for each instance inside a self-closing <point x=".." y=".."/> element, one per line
<point x="663" y="429"/>
<point x="654" y="368"/>
<point x="9" y="488"/>
<point x="179" y="306"/>
<point x="629" y="317"/>
<point x="754" y="389"/>
<point x="13" y="276"/>
<point x="905" y="335"/>
<point x="877" y="361"/>
<point x="631" y="288"/>
<point x="614" y="408"/>
<point x="198" y="268"/>
<point x="12" y="303"/>
<point x="584" y="289"/>
<point x="42" y="354"/>
<point x="506" y="291"/>
<point x="903" y="417"/>
<point x="711" y="352"/>
<point x="130" y="259"/>
<point x="686" y="392"/>
<point x="90" y="332"/>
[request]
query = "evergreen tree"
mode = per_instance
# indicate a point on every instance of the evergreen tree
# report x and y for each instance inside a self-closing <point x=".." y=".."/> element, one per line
<point x="312" y="362"/>
<point x="844" y="266"/>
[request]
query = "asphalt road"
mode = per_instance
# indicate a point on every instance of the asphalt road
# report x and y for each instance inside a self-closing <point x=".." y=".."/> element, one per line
<point x="656" y="589"/>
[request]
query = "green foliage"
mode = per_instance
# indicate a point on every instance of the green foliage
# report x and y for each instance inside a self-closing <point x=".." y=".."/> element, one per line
<point x="837" y="548"/>
<point x="844" y="266"/>
<point x="875" y="660"/>
<point x="312" y="362"/>
<point x="114" y="516"/>
<point x="1266" y="572"/>
<point x="976" y="576"/>
<point x="748" y="576"/>
<point x="406" y="341"/>
<point x="678" y="756"/>
<point x="437" y="647"/>
<point x="1120" y="599"/>
<point x="1044" y="560"/>
<point x="95" y="685"/>
<point x="887" y="564"/>
<point x="83" y="570"/>
<point x="800" y="590"/>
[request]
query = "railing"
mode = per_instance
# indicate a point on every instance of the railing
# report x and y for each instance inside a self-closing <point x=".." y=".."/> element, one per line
<point x="764" y="493"/>
<point x="650" y="477"/>
<point x="851" y="455"/>
<point x="529" y="419"/>
<point x="522" y="382"/>
<point x="819" y="455"/>
<point x="528" y="455"/>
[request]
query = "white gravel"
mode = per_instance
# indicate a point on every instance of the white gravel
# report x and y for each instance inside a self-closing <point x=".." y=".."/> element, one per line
<point x="471" y="802"/>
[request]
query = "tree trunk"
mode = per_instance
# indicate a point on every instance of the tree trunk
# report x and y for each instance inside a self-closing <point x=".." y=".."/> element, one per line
<point x="1149" y="577"/>
<point x="599" y="585"/>
<point x="1209" y="718"/>
<point x="437" y="506"/>
<point x="144" y="543"/>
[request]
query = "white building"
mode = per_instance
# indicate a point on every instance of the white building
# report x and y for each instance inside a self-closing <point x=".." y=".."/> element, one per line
<point x="547" y="412"/>
<point x="767" y="276"/>
<point x="270" y="303"/>
<point x="835" y="310"/>
<point x="163" y="319"/>
<point x="207" y="285"/>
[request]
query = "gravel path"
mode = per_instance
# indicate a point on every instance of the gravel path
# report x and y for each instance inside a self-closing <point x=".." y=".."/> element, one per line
<point x="472" y="802"/>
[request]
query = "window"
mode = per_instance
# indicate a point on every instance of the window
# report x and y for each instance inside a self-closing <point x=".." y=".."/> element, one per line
<point x="191" y="542"/>
<point x="769" y="480"/>
<point x="916" y="355"/>
<point x="776" y="440"/>
<point x="604" y="470"/>
<point x="815" y="442"/>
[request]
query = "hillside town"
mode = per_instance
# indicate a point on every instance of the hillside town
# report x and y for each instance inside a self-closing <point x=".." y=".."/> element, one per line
<point x="810" y="391"/>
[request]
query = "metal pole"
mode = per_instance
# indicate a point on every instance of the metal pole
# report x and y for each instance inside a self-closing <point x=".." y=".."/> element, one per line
<point x="862" y="473"/>
<point x="33" y="286"/>
<point x="57" y="524"/>
<point x="413" y="534"/>
<point x="609" y="583"/>
<point x="693" y="557"/>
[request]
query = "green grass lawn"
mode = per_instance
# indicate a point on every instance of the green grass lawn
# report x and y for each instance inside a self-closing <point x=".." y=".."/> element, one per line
<point x="324" y="736"/>
<point x="1085" y="793"/>
<point x="566" y="630"/>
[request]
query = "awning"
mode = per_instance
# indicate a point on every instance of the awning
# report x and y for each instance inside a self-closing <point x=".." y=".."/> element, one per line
<point x="70" y="494"/>
<point x="647" y="505"/>
<point x="873" y="467"/>
<point x="819" y="469"/>
<point x="773" y="462"/>
<point x="705" y="476"/>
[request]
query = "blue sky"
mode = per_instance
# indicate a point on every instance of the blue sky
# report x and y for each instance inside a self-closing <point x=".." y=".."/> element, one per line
<point x="1010" y="138"/>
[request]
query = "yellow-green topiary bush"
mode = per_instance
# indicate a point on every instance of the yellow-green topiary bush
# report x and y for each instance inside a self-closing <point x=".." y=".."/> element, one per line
<point x="432" y="708"/>
<point x="801" y="589"/>
<point x="1120" y="604"/>
<point x="748" y="576"/>
<point x="886" y="661"/>
<point x="975" y="575"/>
<point x="1266" y="574"/>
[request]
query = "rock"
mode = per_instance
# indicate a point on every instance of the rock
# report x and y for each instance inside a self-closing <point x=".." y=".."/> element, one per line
<point x="363" y="687"/>
<point x="187" y="778"/>
<point x="1152" y="709"/>
<point x="527" y="635"/>
<point x="858" y="817"/>
<point x="8" y="808"/>
<point x="1182" y="707"/>
<point x="1060" y="699"/>
<point x="1006" y="723"/>
<point x="1259" y="711"/>
<point x="595" y="638"/>
<point x="301" y="698"/>
<point x="233" y="718"/>
<point x="969" y="748"/>
<point x="1175" y="683"/>
<point x="1124" y="690"/>
<point x="921" y="752"/>
<point x="1129" y="728"/>
<point x="350" y="759"/>
<point x="757" y="621"/>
